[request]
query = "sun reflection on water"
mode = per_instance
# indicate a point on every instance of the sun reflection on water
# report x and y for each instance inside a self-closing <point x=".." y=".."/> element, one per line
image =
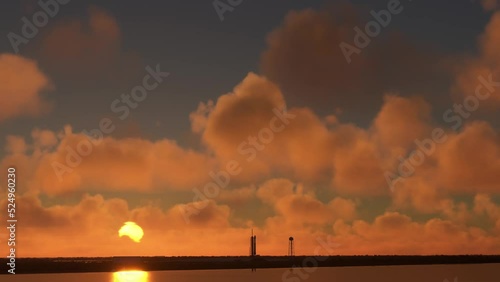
<point x="131" y="276"/>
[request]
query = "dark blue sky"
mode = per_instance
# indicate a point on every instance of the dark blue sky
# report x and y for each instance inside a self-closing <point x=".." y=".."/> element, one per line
<point x="207" y="57"/>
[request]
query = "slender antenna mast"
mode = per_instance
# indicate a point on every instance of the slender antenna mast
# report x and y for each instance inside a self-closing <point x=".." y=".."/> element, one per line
<point x="253" y="244"/>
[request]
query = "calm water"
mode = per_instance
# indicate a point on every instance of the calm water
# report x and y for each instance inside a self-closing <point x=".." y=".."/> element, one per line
<point x="463" y="273"/>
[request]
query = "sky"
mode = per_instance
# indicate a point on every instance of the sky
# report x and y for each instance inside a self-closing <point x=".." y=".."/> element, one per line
<point x="357" y="127"/>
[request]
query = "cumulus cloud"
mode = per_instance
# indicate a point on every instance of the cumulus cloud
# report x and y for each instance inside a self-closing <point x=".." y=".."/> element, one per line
<point x="303" y="57"/>
<point x="309" y="180"/>
<point x="465" y="165"/>
<point x="87" y="48"/>
<point x="57" y="166"/>
<point x="93" y="42"/>
<point x="402" y="120"/>
<point x="303" y="149"/>
<point x="312" y="150"/>
<point x="246" y="110"/>
<point x="275" y="189"/>
<point x="22" y="91"/>
<point x="490" y="5"/>
<point x="237" y="196"/>
<point x="469" y="161"/>
<point x="294" y="206"/>
<point x="310" y="156"/>
<point x="94" y="222"/>
<point x="15" y="145"/>
<point x="397" y="233"/>
<point x="237" y="118"/>
<point x="306" y="149"/>
<point x="199" y="118"/>
<point x="484" y="205"/>
<point x="44" y="139"/>
<point x="485" y="67"/>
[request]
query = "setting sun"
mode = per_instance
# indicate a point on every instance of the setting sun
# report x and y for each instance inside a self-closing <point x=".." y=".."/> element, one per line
<point x="132" y="230"/>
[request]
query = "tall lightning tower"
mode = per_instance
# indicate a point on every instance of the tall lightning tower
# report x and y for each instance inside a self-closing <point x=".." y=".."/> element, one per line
<point x="253" y="245"/>
<point x="290" y="247"/>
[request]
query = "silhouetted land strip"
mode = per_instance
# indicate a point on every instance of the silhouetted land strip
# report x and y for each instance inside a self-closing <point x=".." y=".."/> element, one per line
<point x="111" y="264"/>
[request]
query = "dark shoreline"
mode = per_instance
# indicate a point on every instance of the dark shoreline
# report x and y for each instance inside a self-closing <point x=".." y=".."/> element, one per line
<point x="111" y="264"/>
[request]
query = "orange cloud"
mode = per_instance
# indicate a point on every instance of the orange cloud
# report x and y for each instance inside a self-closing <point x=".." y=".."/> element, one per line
<point x="485" y="66"/>
<point x="490" y="5"/>
<point x="401" y="121"/>
<point x="15" y="145"/>
<point x="94" y="223"/>
<point x="74" y="163"/>
<point x="248" y="108"/>
<point x="87" y="48"/>
<point x="234" y="128"/>
<point x="466" y="163"/>
<point x="304" y="59"/>
<point x="44" y="139"/>
<point x="23" y="87"/>
<point x="395" y="233"/>
<point x="94" y="42"/>
<point x="303" y="174"/>
<point x="237" y="196"/>
<point x="308" y="148"/>
<point x="483" y="205"/>
<point x="356" y="155"/>
<point x="469" y="161"/>
<point x="244" y="126"/>
<point x="297" y="207"/>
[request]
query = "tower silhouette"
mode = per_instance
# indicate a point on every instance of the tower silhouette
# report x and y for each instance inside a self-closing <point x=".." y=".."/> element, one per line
<point x="253" y="245"/>
<point x="290" y="247"/>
